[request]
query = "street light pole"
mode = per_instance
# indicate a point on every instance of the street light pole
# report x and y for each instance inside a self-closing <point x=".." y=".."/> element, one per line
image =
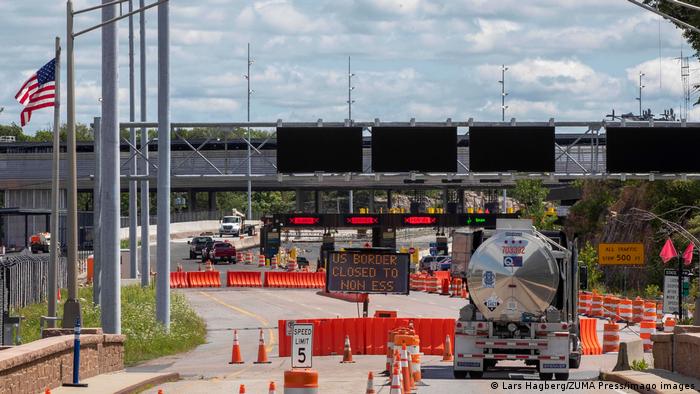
<point x="503" y="92"/>
<point x="641" y="86"/>
<point x="250" y="181"/>
<point x="133" y="184"/>
<point x="71" y="309"/>
<point x="163" y="264"/>
<point x="145" y="200"/>
<point x="55" y="191"/>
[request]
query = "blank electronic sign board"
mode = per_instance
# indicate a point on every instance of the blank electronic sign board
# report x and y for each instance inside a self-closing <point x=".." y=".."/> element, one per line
<point x="516" y="148"/>
<point x="652" y="149"/>
<point x="422" y="149"/>
<point x="312" y="149"/>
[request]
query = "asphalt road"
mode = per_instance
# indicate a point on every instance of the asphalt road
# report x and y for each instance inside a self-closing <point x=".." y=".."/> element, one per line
<point x="206" y="368"/>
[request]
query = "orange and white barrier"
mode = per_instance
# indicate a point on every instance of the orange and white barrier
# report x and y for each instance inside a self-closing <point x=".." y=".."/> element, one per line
<point x="659" y="313"/>
<point x="261" y="260"/>
<point x="649" y="311"/>
<point x="669" y="324"/>
<point x="249" y="258"/>
<point x="291" y="264"/>
<point x="597" y="305"/>
<point x="584" y="303"/>
<point x="637" y="310"/>
<point x="625" y="310"/>
<point x="301" y="381"/>
<point x="611" y="338"/>
<point x="647" y="328"/>
<point x="589" y="336"/>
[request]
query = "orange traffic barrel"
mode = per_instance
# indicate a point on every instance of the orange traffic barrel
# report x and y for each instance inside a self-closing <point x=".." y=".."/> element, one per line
<point x="301" y="381"/>
<point x="625" y="310"/>
<point x="611" y="338"/>
<point x="646" y="329"/>
<point x="90" y="268"/>
<point x="584" y="303"/>
<point x="637" y="310"/>
<point x="597" y="306"/>
<point x="649" y="311"/>
<point x="669" y="324"/>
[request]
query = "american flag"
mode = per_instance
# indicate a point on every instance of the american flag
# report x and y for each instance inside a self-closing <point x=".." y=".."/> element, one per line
<point x="38" y="92"/>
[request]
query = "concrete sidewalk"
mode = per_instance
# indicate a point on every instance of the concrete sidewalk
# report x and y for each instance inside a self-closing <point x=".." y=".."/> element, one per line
<point x="654" y="381"/>
<point x="120" y="382"/>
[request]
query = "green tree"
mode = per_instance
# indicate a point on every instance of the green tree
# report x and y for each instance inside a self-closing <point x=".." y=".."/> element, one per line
<point x="531" y="194"/>
<point x="588" y="257"/>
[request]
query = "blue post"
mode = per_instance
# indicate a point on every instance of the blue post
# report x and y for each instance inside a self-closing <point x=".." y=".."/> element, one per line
<point x="76" y="358"/>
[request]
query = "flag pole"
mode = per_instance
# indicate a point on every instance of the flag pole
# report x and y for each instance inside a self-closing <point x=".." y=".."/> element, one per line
<point x="680" y="288"/>
<point x="55" y="197"/>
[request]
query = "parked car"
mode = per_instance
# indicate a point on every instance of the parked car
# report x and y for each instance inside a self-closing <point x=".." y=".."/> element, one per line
<point x="222" y="251"/>
<point x="435" y="263"/>
<point x="197" y="244"/>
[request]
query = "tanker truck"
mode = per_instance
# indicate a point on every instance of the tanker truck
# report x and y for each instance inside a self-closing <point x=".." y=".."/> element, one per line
<point x="523" y="294"/>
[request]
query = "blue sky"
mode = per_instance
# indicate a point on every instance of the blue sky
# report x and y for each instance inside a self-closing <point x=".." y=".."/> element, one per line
<point x="428" y="59"/>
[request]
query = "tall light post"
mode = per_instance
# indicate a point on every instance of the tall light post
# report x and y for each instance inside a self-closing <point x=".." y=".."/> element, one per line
<point x="350" y="89"/>
<point x="109" y="173"/>
<point x="250" y="164"/>
<point x="503" y="92"/>
<point x="641" y="86"/>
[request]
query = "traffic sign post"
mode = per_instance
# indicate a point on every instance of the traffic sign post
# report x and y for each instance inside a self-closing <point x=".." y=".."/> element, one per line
<point x="302" y="345"/>
<point x="621" y="254"/>
<point x="675" y="288"/>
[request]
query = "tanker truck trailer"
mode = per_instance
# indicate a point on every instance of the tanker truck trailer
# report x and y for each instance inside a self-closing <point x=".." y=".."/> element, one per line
<point x="523" y="295"/>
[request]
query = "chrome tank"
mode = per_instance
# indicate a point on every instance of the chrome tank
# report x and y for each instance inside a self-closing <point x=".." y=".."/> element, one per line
<point x="511" y="274"/>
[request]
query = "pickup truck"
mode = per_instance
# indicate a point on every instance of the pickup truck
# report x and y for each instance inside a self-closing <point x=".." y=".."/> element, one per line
<point x="235" y="225"/>
<point x="222" y="251"/>
<point x="197" y="244"/>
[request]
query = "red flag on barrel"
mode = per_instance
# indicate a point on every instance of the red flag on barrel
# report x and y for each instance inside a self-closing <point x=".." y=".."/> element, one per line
<point x="688" y="254"/>
<point x="668" y="251"/>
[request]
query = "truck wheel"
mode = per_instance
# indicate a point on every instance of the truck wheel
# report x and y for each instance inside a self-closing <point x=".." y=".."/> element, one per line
<point x="459" y="374"/>
<point x="562" y="376"/>
<point x="476" y="374"/>
<point x="575" y="362"/>
<point x="221" y="235"/>
<point x="546" y="375"/>
<point x="192" y="256"/>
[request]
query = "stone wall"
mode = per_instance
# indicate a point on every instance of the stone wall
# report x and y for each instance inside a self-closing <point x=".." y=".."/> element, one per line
<point x="678" y="351"/>
<point x="47" y="363"/>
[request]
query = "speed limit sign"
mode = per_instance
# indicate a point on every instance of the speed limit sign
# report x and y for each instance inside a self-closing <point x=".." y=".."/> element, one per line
<point x="302" y="345"/>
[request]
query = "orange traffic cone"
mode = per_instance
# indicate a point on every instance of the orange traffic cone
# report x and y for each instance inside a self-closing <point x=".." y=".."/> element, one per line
<point x="262" y="353"/>
<point x="160" y="391"/>
<point x="241" y="390"/>
<point x="395" y="384"/>
<point x="370" y="384"/>
<point x="236" y="350"/>
<point x="47" y="391"/>
<point x="447" y="354"/>
<point x="405" y="372"/>
<point x="272" y="389"/>
<point x="347" y="352"/>
<point x="464" y="292"/>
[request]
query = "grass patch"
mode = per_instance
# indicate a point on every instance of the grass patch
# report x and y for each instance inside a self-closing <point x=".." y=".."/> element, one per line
<point x="145" y="338"/>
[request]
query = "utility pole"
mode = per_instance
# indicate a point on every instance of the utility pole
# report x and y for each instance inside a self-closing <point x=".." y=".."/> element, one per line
<point x="163" y="264"/>
<point x="641" y="86"/>
<point x="71" y="309"/>
<point x="133" y="184"/>
<point x="350" y="102"/>
<point x="55" y="190"/>
<point x="503" y="92"/>
<point x="145" y="201"/>
<point x="250" y="181"/>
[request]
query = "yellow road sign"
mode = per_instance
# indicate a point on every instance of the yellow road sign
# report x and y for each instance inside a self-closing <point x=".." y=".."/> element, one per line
<point x="621" y="254"/>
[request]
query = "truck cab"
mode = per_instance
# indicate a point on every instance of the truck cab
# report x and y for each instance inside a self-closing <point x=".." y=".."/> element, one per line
<point x="230" y="225"/>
